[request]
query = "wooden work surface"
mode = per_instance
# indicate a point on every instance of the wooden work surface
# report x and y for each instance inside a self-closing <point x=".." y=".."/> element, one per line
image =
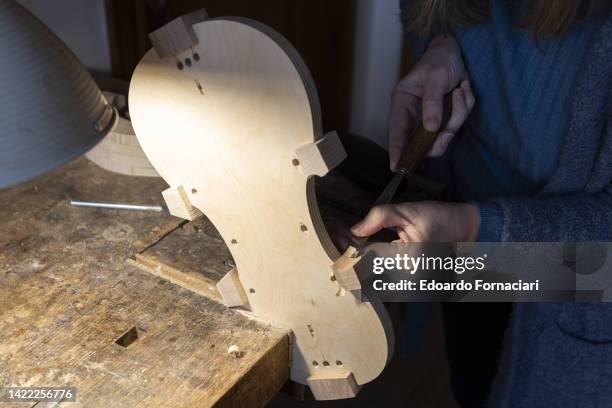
<point x="71" y="285"/>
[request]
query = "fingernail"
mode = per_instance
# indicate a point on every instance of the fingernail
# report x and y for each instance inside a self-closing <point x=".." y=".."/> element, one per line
<point x="446" y="138"/>
<point x="431" y="124"/>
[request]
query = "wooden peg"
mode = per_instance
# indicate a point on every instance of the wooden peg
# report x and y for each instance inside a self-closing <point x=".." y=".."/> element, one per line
<point x="333" y="384"/>
<point x="320" y="157"/>
<point x="179" y="205"/>
<point x="231" y="290"/>
<point x="178" y="35"/>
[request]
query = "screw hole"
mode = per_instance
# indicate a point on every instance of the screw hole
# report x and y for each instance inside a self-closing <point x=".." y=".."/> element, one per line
<point x="196" y="56"/>
<point x="251" y="290"/>
<point x="303" y="228"/>
<point x="194" y="191"/>
<point x="188" y="62"/>
<point x="332" y="278"/>
<point x="315" y="363"/>
<point x="338" y="362"/>
<point x="295" y="162"/>
<point x="179" y="65"/>
<point x="233" y="241"/>
<point x="326" y="363"/>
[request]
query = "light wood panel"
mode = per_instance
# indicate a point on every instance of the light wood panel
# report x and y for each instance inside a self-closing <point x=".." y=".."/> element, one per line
<point x="227" y="128"/>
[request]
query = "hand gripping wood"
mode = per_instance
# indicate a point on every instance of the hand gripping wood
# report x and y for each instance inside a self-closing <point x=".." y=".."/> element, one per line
<point x="237" y="132"/>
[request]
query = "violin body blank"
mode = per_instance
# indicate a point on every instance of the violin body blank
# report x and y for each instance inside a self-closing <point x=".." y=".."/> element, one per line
<point x="233" y="125"/>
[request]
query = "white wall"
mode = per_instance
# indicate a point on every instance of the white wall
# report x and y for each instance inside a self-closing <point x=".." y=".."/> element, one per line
<point x="377" y="59"/>
<point x="81" y="24"/>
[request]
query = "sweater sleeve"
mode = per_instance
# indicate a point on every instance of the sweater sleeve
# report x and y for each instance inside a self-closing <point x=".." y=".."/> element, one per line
<point x="491" y="222"/>
<point x="576" y="217"/>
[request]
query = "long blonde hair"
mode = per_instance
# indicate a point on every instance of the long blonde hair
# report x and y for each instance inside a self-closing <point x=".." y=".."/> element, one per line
<point x="545" y="17"/>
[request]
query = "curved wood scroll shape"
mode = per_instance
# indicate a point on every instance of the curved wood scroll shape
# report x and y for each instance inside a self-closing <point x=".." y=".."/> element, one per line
<point x="233" y="125"/>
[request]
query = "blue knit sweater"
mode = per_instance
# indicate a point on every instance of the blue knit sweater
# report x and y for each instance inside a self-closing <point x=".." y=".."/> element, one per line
<point x="510" y="144"/>
<point x="560" y="355"/>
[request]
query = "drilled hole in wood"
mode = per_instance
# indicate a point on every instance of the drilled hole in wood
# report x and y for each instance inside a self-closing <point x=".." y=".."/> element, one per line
<point x="251" y="290"/>
<point x="128" y="337"/>
<point x="315" y="363"/>
<point x="194" y="191"/>
<point x="326" y="363"/>
<point x="338" y="362"/>
<point x="295" y="162"/>
<point x="303" y="228"/>
<point x="188" y="62"/>
<point x="233" y="241"/>
<point x="179" y="65"/>
<point x="196" y="56"/>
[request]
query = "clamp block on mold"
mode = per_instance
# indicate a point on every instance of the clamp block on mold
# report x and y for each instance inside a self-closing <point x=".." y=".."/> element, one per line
<point x="350" y="269"/>
<point x="178" y="35"/>
<point x="333" y="384"/>
<point x="179" y="205"/>
<point x="231" y="290"/>
<point x="319" y="157"/>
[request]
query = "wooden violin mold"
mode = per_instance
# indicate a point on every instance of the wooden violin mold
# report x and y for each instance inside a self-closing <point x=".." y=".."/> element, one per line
<point x="231" y="120"/>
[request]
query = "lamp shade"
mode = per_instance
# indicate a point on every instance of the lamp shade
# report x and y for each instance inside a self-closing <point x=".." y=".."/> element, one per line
<point x="51" y="110"/>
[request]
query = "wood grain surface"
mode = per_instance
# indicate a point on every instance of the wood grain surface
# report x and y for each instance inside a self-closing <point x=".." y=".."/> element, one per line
<point x="67" y="295"/>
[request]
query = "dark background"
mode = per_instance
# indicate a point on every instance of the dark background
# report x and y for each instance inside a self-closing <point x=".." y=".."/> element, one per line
<point x="322" y="31"/>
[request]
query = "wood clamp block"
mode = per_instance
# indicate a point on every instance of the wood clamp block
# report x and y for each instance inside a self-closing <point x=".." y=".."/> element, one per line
<point x="231" y="290"/>
<point x="349" y="269"/>
<point x="319" y="157"/>
<point x="333" y="384"/>
<point x="178" y="35"/>
<point x="179" y="205"/>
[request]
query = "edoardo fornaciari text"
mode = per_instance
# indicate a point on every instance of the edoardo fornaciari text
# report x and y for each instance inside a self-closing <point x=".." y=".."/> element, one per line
<point x="458" y="265"/>
<point x="462" y="285"/>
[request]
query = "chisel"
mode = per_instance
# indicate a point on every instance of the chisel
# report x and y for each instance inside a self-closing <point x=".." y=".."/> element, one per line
<point x="415" y="150"/>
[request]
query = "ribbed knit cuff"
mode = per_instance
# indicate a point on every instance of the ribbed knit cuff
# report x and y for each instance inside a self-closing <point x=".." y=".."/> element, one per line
<point x="491" y="222"/>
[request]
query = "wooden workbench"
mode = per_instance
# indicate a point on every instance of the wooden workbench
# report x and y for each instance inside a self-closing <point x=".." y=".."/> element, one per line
<point x="72" y="283"/>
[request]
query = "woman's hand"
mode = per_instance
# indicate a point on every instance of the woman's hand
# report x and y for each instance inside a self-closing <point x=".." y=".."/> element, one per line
<point x="425" y="221"/>
<point x="421" y="93"/>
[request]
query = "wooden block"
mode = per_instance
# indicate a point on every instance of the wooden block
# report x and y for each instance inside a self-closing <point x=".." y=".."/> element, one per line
<point x="333" y="384"/>
<point x="349" y="270"/>
<point x="320" y="157"/>
<point x="343" y="270"/>
<point x="179" y="205"/>
<point x="231" y="290"/>
<point x="178" y="35"/>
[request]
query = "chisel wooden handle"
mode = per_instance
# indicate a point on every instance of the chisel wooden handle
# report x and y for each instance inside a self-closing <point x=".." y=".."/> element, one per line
<point x="421" y="142"/>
